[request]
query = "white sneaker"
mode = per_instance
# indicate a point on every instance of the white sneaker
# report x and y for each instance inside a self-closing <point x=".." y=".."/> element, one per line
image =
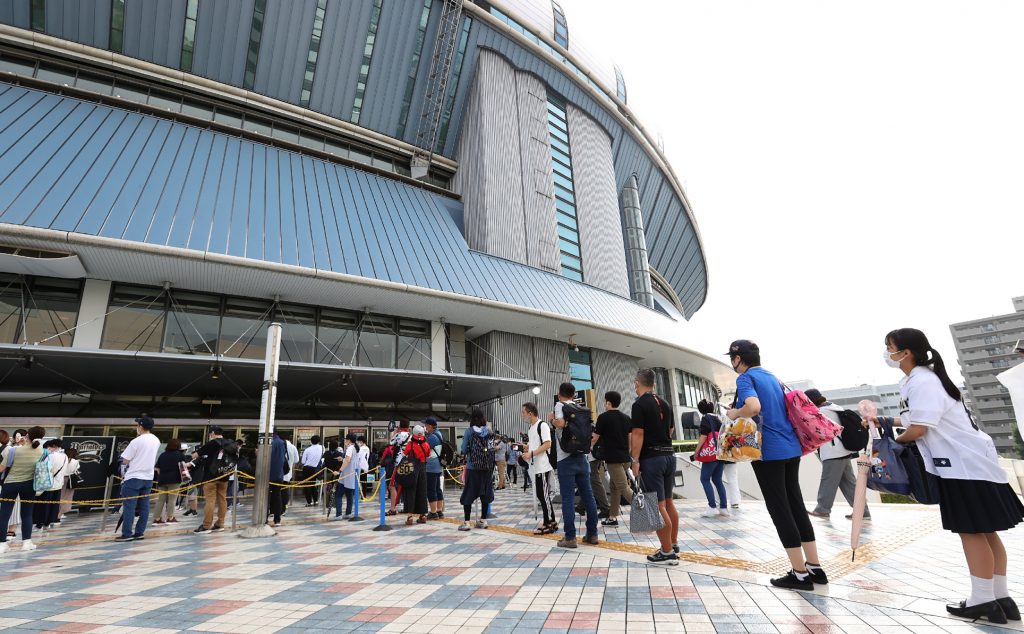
<point x="481" y="523"/>
<point x="4" y="547"/>
<point x="725" y="512"/>
<point x="709" y="513"/>
<point x="27" y="545"/>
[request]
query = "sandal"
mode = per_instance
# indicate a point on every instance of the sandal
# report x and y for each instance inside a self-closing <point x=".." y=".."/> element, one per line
<point x="409" y="521"/>
<point x="546" y="530"/>
<point x="391" y="513"/>
<point x="422" y="520"/>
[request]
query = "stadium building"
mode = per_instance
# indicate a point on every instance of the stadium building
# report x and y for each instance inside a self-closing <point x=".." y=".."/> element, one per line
<point x="445" y="203"/>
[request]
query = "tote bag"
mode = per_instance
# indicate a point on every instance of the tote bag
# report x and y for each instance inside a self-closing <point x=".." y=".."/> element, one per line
<point x="644" y="514"/>
<point x="708" y="452"/>
<point x="739" y="441"/>
<point x="887" y="473"/>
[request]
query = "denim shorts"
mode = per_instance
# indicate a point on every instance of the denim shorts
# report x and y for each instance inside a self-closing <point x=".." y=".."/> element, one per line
<point x="658" y="475"/>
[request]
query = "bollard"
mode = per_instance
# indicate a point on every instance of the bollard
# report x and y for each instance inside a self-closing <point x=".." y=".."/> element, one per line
<point x="234" y="505"/>
<point x="383" y="526"/>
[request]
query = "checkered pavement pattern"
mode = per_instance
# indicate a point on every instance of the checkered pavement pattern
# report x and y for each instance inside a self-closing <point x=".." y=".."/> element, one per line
<point x="318" y="576"/>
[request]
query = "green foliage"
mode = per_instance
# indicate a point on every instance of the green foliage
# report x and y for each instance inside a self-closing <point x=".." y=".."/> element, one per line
<point x="1018" y="442"/>
<point x="893" y="498"/>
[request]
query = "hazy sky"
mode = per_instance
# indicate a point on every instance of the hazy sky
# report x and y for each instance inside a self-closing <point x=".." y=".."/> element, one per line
<point x="854" y="167"/>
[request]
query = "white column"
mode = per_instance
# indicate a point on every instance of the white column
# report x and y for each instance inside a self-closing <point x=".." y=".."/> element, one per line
<point x="92" y="314"/>
<point x="673" y="385"/>
<point x="438" y="346"/>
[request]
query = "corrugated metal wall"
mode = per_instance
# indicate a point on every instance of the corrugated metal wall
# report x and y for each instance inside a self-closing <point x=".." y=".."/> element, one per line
<point x="83" y="21"/>
<point x="508" y="355"/>
<point x="597" y="205"/>
<point x="614" y="371"/>
<point x="507" y="200"/>
<point x="15" y="13"/>
<point x="153" y="30"/>
<point x="341" y="54"/>
<point x="222" y="40"/>
<point x="283" y="49"/>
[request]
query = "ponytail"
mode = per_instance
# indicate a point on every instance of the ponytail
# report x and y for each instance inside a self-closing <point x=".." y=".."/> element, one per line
<point x="916" y="343"/>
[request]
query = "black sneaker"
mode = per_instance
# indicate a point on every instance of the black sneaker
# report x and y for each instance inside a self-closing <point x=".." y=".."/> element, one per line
<point x="122" y="538"/>
<point x="138" y="538"/>
<point x="791" y="582"/>
<point x="675" y="548"/>
<point x="603" y="515"/>
<point x="1009" y="608"/>
<point x="991" y="611"/>
<point x="818" y="575"/>
<point x="661" y="558"/>
<point x="609" y="522"/>
<point x="201" y="529"/>
<point x="217" y="528"/>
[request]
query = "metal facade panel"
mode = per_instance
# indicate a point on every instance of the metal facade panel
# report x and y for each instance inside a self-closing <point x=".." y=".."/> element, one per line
<point x="15" y="13"/>
<point x="222" y="40"/>
<point x="153" y="30"/>
<point x="283" y="49"/>
<point x="614" y="372"/>
<point x="83" y="21"/>
<point x="538" y="188"/>
<point x="97" y="170"/>
<point x="462" y="90"/>
<point x="341" y="53"/>
<point x="389" y="67"/>
<point x="597" y="205"/>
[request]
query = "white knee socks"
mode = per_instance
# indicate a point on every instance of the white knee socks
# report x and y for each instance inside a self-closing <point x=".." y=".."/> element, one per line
<point x="1000" y="587"/>
<point x="981" y="591"/>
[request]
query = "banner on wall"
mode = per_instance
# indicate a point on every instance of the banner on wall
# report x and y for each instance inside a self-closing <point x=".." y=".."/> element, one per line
<point x="95" y="454"/>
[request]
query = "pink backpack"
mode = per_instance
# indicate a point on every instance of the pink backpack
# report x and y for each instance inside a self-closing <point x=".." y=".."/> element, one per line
<point x="813" y="429"/>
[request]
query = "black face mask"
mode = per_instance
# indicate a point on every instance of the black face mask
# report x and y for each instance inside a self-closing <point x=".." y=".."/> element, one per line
<point x="735" y="367"/>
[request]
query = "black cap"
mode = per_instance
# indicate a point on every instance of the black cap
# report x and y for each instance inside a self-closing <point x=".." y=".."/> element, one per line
<point x="741" y="347"/>
<point x="430" y="420"/>
<point x="815" y="396"/>
<point x="217" y="429"/>
<point x="145" y="421"/>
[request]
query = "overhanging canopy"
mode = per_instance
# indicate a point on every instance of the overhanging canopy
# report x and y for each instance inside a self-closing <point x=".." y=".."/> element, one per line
<point x="127" y="373"/>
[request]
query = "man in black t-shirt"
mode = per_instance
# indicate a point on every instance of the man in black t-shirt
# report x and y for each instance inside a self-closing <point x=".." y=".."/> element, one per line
<point x="654" y="461"/>
<point x="612" y="431"/>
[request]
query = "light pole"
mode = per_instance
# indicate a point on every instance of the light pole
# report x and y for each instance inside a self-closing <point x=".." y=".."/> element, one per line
<point x="268" y="407"/>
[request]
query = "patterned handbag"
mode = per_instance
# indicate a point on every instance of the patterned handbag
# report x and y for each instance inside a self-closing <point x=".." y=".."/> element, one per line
<point x="644" y="515"/>
<point x="708" y="452"/>
<point x="739" y="441"/>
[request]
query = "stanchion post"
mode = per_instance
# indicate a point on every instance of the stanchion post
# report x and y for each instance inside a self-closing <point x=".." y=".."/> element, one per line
<point x="359" y="493"/>
<point x="234" y="504"/>
<point x="382" y="490"/>
<point x="106" y="502"/>
<point x="268" y="408"/>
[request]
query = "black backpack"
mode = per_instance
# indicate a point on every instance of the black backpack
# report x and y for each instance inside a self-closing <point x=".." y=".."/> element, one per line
<point x="578" y="431"/>
<point x="855" y="435"/>
<point x="447" y="456"/>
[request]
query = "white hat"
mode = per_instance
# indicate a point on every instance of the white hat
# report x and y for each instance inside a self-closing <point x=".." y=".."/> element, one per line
<point x="418" y="430"/>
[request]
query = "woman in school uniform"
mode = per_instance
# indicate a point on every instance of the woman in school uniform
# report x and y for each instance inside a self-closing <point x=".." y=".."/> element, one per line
<point x="975" y="498"/>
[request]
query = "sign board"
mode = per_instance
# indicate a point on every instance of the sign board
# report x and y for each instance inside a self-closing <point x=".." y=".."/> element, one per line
<point x="95" y="454"/>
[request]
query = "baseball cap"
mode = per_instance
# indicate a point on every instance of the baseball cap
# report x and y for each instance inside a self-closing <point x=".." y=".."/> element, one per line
<point x="145" y="421"/>
<point x="814" y="395"/>
<point x="217" y="429"/>
<point x="430" y="420"/>
<point x="741" y="346"/>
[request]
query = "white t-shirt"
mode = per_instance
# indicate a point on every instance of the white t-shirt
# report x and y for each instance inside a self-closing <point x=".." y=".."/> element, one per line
<point x="364" y="458"/>
<point x="141" y="454"/>
<point x="540" y="433"/>
<point x="312" y="455"/>
<point x="558" y="433"/>
<point x="834" y="449"/>
<point x="953" y="447"/>
<point x="59" y="469"/>
<point x="293" y="457"/>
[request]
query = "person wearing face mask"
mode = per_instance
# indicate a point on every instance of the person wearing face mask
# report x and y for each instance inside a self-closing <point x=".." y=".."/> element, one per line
<point x="975" y="498"/>
<point x="759" y="396"/>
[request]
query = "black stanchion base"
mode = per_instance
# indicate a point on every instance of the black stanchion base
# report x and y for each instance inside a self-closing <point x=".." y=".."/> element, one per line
<point x="491" y="516"/>
<point x="381" y="528"/>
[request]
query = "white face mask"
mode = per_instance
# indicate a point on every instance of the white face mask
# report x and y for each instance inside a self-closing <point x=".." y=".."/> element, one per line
<point x="890" y="361"/>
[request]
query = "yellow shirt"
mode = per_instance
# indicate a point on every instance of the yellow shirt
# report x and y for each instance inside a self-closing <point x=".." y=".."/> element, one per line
<point x="25" y="458"/>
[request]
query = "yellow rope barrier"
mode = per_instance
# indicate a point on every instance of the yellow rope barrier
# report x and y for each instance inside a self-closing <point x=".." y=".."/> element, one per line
<point x="121" y="499"/>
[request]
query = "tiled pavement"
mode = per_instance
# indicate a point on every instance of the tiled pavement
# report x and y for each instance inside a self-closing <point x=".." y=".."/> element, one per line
<point x="341" y="576"/>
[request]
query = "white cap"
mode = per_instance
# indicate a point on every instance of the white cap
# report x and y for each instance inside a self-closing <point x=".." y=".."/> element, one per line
<point x="418" y="430"/>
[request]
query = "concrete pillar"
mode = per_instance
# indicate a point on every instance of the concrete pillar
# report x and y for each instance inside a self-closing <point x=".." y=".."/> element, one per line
<point x="92" y="314"/>
<point x="677" y="409"/>
<point x="438" y="347"/>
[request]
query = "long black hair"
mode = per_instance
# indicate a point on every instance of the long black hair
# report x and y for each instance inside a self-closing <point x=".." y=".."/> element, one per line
<point x="916" y="342"/>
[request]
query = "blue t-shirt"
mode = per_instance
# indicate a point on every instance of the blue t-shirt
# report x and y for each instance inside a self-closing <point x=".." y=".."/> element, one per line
<point x="778" y="440"/>
<point x="433" y="462"/>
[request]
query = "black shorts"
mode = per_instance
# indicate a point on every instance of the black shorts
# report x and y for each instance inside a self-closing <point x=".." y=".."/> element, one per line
<point x="658" y="475"/>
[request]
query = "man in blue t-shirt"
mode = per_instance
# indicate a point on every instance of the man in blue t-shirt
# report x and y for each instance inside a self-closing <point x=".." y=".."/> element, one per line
<point x="435" y="495"/>
<point x="760" y="396"/>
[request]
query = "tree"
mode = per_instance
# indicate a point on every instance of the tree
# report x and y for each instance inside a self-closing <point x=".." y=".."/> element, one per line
<point x="1018" y="442"/>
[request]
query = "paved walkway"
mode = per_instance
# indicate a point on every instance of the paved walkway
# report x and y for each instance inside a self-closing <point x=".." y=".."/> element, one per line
<point x="340" y="576"/>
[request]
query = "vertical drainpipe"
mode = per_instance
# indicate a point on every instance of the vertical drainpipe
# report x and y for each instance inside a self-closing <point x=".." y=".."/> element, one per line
<point x="636" y="244"/>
